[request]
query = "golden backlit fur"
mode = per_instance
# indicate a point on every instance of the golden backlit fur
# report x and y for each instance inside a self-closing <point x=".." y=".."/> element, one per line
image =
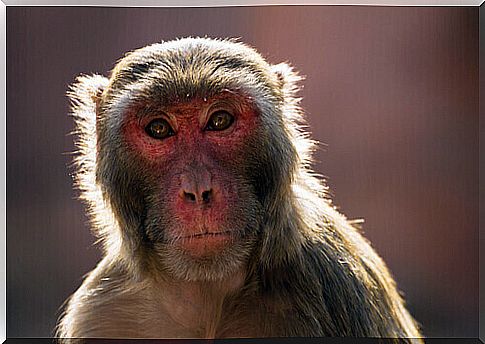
<point x="309" y="272"/>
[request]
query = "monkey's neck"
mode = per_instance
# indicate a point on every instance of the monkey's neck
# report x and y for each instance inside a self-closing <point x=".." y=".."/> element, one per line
<point x="197" y="305"/>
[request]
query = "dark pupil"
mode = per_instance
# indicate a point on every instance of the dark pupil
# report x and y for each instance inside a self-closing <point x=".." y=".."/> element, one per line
<point x="221" y="120"/>
<point x="158" y="129"/>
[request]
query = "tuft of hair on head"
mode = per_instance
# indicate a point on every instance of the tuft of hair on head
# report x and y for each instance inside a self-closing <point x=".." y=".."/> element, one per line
<point x="84" y="95"/>
<point x="289" y="82"/>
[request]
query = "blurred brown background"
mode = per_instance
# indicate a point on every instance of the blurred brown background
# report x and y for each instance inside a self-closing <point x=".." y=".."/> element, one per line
<point x="392" y="92"/>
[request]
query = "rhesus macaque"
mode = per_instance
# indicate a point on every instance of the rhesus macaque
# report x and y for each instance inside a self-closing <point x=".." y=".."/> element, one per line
<point x="196" y="172"/>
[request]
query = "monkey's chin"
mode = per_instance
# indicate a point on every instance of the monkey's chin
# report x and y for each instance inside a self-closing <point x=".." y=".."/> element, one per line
<point x="206" y="258"/>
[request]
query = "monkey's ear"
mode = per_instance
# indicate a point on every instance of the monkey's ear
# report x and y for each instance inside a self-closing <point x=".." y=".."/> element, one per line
<point x="86" y="94"/>
<point x="287" y="79"/>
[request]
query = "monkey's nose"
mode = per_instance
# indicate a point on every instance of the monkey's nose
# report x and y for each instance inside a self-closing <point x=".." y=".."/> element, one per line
<point x="203" y="197"/>
<point x="196" y="191"/>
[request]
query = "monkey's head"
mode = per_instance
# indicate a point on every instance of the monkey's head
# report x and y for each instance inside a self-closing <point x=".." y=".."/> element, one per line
<point x="190" y="145"/>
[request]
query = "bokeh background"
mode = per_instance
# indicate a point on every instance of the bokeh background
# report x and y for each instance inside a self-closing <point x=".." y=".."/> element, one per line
<point x="391" y="92"/>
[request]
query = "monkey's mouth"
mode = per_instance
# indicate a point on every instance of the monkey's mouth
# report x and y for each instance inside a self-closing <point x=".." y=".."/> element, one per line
<point x="201" y="244"/>
<point x="208" y="235"/>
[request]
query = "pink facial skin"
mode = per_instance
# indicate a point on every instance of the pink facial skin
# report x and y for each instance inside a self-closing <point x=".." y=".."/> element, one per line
<point x="188" y="163"/>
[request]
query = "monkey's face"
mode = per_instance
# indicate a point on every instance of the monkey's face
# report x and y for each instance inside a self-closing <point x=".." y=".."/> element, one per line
<point x="199" y="201"/>
<point x="190" y="168"/>
<point x="191" y="151"/>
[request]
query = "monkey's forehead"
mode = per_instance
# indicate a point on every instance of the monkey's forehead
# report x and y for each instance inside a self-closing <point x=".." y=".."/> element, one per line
<point x="173" y="71"/>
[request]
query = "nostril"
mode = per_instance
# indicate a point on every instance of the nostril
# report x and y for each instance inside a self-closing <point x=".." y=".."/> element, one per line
<point x="206" y="196"/>
<point x="189" y="196"/>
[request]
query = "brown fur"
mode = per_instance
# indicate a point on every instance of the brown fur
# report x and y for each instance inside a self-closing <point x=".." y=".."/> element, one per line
<point x="305" y="270"/>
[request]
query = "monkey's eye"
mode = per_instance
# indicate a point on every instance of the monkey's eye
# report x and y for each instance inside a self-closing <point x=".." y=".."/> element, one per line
<point x="220" y="120"/>
<point x="159" y="129"/>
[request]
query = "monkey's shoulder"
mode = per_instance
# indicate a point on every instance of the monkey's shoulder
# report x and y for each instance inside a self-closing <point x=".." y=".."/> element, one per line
<point x="107" y="304"/>
<point x="337" y="270"/>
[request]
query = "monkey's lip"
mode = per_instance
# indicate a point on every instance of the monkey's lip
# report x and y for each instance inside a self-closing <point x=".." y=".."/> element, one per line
<point x="201" y="244"/>
<point x="203" y="235"/>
